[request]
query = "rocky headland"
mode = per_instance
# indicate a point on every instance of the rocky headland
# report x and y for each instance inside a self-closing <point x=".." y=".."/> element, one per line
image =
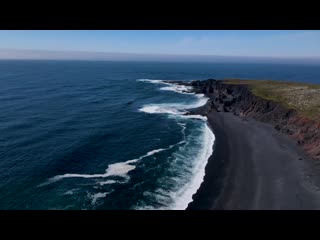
<point x="267" y="149"/>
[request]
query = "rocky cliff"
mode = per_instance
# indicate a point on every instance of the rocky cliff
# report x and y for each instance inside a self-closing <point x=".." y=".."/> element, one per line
<point x="240" y="100"/>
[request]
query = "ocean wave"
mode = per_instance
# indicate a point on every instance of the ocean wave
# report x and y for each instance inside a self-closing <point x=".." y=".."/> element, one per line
<point x="171" y="86"/>
<point x="120" y="169"/>
<point x="175" y="108"/>
<point x="184" y="196"/>
<point x="162" y="108"/>
<point x="151" y="81"/>
<point x="189" y="176"/>
<point x="190" y="172"/>
<point x="202" y="100"/>
<point x="178" y="88"/>
<point x="107" y="182"/>
<point x="195" y="116"/>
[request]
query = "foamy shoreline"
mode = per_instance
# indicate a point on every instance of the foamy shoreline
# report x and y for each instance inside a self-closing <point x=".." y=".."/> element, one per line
<point x="185" y="195"/>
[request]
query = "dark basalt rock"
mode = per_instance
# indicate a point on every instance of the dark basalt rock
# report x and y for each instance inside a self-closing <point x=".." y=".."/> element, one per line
<point x="239" y="100"/>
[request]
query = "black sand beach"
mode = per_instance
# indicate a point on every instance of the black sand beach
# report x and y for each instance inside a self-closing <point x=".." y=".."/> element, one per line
<point x="254" y="167"/>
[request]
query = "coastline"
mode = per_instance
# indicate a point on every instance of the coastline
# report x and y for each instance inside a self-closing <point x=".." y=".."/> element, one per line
<point x="253" y="167"/>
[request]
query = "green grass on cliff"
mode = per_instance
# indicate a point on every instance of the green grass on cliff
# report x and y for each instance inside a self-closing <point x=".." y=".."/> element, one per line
<point x="303" y="97"/>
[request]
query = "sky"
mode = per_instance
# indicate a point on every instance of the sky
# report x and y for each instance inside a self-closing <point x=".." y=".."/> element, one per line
<point x="245" y="43"/>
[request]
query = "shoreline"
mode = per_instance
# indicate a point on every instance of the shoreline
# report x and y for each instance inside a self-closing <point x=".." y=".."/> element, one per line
<point x="253" y="167"/>
<point x="214" y="172"/>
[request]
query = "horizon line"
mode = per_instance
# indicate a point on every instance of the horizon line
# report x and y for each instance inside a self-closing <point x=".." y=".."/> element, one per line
<point x="41" y="54"/>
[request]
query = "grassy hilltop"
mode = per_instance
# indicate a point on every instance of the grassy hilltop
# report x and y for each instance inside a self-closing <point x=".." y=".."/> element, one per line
<point x="303" y="97"/>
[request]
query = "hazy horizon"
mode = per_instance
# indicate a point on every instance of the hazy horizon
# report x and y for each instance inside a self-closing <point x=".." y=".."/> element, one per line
<point x="28" y="54"/>
<point x="162" y="45"/>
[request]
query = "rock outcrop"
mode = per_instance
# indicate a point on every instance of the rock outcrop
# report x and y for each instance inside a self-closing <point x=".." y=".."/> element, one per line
<point x="239" y="99"/>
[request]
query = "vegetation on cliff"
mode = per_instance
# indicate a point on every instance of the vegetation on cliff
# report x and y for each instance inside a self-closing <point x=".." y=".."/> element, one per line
<point x="303" y="97"/>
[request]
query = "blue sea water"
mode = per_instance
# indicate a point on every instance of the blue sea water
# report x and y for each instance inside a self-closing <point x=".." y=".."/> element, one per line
<point x="105" y="135"/>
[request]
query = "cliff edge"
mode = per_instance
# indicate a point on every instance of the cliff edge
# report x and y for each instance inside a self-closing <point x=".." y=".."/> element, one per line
<point x="292" y="108"/>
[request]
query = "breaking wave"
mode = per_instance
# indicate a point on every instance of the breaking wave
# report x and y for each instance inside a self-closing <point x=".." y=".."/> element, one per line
<point x="180" y="197"/>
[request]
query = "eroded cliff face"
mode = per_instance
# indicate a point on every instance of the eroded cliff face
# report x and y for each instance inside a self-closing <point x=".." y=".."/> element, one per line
<point x="239" y="100"/>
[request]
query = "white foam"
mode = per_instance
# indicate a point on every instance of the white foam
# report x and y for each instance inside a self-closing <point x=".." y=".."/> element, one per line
<point x="174" y="108"/>
<point x="154" y="151"/>
<point x="196" y="117"/>
<point x="120" y="169"/>
<point x="151" y="81"/>
<point x="183" y="127"/>
<point x="162" y="108"/>
<point x="184" y="196"/>
<point x="98" y="195"/>
<point x="201" y="102"/>
<point x="70" y="192"/>
<point x="171" y="86"/>
<point x="116" y="169"/>
<point x="140" y="158"/>
<point x="179" y="89"/>
<point x="179" y="198"/>
<point x="107" y="182"/>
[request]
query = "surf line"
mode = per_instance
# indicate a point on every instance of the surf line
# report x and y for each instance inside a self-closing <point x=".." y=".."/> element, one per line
<point x="116" y="169"/>
<point x="184" y="196"/>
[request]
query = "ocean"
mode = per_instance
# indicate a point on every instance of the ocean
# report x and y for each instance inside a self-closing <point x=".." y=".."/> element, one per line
<point x="109" y="135"/>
